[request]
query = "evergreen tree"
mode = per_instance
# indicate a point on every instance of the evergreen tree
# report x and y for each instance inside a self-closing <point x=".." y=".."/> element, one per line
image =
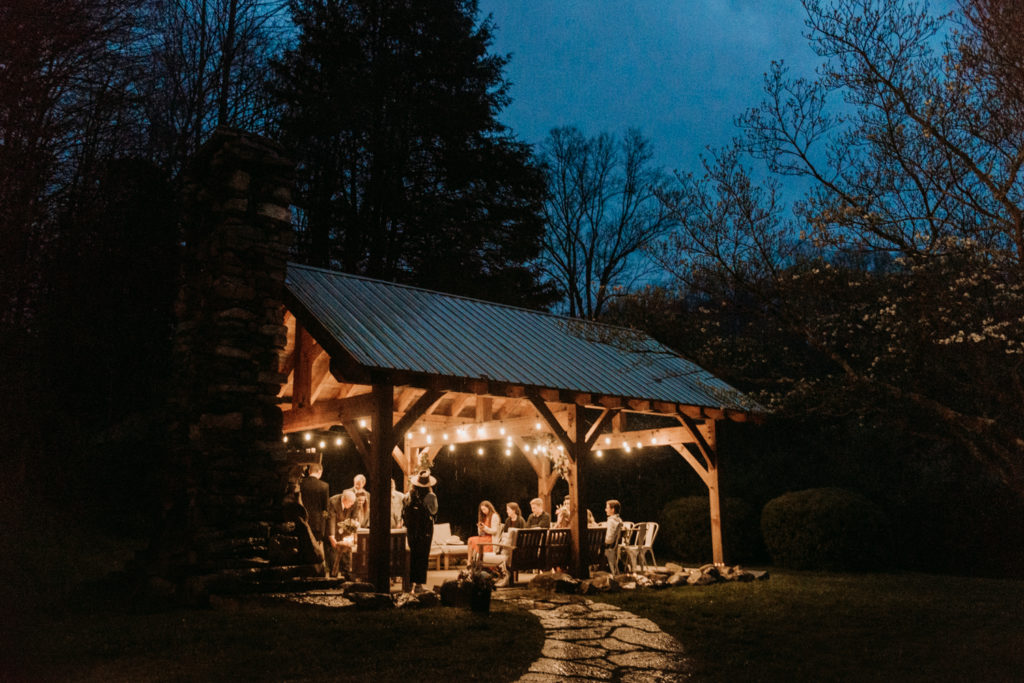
<point x="404" y="171"/>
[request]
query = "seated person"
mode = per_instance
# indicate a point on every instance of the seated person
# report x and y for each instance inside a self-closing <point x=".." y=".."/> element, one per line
<point x="539" y="517"/>
<point x="488" y="528"/>
<point x="562" y="516"/>
<point x="611" y="534"/>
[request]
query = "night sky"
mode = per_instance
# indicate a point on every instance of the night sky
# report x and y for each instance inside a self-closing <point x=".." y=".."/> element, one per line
<point x="680" y="71"/>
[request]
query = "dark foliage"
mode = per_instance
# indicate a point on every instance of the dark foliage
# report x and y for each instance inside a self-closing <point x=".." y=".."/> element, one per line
<point x="405" y="172"/>
<point x="686" y="527"/>
<point x="827" y="528"/>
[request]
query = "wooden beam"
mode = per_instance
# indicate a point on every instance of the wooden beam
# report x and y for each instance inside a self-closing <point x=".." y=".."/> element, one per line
<point x="549" y="417"/>
<point x="484" y="409"/>
<point x="417" y="410"/>
<point x="326" y="413"/>
<point x="306" y="351"/>
<point x="472" y="432"/>
<point x="694" y="463"/>
<point x="647" y="438"/>
<point x="355" y="432"/>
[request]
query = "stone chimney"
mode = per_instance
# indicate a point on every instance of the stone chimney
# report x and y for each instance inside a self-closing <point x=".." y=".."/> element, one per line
<point x="226" y="456"/>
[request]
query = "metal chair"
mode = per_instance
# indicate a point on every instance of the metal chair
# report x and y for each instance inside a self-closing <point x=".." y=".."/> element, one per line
<point x="647" y="546"/>
<point x="632" y="543"/>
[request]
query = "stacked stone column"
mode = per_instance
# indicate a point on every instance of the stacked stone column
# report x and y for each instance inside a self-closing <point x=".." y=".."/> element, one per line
<point x="226" y="453"/>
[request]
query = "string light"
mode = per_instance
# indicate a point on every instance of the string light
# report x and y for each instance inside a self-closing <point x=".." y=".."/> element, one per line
<point x="423" y="430"/>
<point x="508" y="451"/>
<point x="323" y="444"/>
<point x="362" y="424"/>
<point x="536" y="425"/>
<point x="600" y="454"/>
<point x="337" y="442"/>
<point x="308" y="436"/>
<point x="607" y="439"/>
<point x="408" y="435"/>
<point x="479" y="451"/>
<point x="285" y="439"/>
<point x="502" y="431"/>
<point x="445" y="436"/>
<point x="430" y="438"/>
<point x="451" y="447"/>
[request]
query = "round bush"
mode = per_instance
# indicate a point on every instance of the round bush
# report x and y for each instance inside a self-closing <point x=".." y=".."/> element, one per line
<point x="686" y="530"/>
<point x="827" y="528"/>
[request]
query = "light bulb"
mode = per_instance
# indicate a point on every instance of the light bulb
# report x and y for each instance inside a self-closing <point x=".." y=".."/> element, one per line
<point x="308" y="436"/>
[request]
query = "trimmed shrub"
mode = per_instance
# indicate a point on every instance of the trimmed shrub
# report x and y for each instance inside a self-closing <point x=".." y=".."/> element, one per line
<point x="686" y="530"/>
<point x="827" y="528"/>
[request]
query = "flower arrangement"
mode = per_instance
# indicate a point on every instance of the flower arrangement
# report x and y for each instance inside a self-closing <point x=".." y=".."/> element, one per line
<point x="479" y="576"/>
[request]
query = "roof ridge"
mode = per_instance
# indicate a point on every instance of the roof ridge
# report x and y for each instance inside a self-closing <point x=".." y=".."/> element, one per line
<point x="568" y="319"/>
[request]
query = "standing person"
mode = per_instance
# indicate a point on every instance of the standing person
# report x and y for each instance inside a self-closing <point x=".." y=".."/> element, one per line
<point x="397" y="503"/>
<point x="514" y="516"/>
<point x="418" y="513"/>
<point x="362" y="499"/>
<point x="315" y="494"/>
<point x="342" y="525"/>
<point x="539" y="517"/>
<point x="488" y="529"/>
<point x="611" y="534"/>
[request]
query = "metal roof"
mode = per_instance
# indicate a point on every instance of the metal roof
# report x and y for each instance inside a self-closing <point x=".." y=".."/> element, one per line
<point x="388" y="326"/>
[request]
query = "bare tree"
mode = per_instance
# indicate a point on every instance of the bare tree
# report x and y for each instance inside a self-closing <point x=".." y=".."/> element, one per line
<point x="601" y="212"/>
<point x="208" y="62"/>
<point x="914" y="151"/>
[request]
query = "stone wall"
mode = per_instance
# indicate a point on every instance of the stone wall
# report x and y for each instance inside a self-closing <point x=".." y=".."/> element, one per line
<point x="226" y="454"/>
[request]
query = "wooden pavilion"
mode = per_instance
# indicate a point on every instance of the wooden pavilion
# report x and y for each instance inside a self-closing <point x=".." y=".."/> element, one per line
<point x="409" y="371"/>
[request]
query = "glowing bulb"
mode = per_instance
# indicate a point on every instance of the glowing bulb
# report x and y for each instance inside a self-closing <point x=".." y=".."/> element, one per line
<point x="408" y="435"/>
<point x="639" y="444"/>
<point x="480" y="431"/>
<point x="430" y="439"/>
<point x="628" y="449"/>
<point x="607" y="439"/>
<point x="337" y="442"/>
<point x="526" y="448"/>
<point x="362" y="424"/>
<point x="286" y="438"/>
<point x="654" y="439"/>
<point x="600" y="454"/>
<point x="508" y="451"/>
<point x="451" y="447"/>
<point x="502" y="431"/>
<point x="423" y="430"/>
<point x="479" y="451"/>
<point x="307" y="436"/>
<point x="445" y="436"/>
<point x="323" y="444"/>
<point x="561" y="447"/>
<point x="536" y="425"/>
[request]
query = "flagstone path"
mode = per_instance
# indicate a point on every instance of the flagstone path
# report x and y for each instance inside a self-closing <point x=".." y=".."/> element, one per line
<point x="594" y="641"/>
<point x="583" y="640"/>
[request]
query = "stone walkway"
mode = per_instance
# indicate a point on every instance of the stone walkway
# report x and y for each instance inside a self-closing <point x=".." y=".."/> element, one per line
<point x="583" y="640"/>
<point x="593" y="641"/>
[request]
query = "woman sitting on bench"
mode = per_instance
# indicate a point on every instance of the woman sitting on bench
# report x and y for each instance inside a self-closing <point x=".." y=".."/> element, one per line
<point x="488" y="528"/>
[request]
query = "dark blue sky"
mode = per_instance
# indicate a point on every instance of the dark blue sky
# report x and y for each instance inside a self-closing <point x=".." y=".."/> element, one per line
<point x="680" y="70"/>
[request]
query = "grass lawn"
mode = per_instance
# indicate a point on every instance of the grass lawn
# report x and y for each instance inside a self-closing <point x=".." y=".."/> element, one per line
<point x="809" y="626"/>
<point x="263" y="641"/>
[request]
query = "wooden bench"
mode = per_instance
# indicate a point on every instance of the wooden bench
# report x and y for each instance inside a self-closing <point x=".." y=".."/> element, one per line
<point x="546" y="549"/>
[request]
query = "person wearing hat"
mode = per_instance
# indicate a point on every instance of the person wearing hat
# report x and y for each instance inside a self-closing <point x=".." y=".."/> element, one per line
<point x="418" y="514"/>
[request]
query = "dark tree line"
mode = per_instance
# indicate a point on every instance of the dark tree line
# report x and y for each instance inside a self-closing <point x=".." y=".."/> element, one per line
<point x="389" y="107"/>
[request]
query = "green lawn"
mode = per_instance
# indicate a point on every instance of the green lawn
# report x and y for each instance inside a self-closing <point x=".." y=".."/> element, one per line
<point x="260" y="641"/>
<point x="808" y="626"/>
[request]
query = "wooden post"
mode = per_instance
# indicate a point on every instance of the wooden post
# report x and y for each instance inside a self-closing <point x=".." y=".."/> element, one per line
<point x="714" y="498"/>
<point x="579" y="520"/>
<point x="382" y="441"/>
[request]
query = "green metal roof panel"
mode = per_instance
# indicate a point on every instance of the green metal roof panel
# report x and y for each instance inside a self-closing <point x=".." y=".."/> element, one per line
<point x="389" y="326"/>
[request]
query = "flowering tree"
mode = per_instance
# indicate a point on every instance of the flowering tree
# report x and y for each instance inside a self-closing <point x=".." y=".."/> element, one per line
<point x="901" y="271"/>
